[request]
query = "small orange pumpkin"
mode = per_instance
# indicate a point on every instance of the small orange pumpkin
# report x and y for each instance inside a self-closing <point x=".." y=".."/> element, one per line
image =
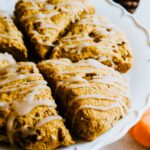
<point x="141" y="131"/>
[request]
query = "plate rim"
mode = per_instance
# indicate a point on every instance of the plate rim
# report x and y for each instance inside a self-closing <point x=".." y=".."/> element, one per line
<point x="138" y="113"/>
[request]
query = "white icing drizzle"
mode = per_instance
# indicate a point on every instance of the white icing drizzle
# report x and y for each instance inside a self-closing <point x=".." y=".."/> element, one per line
<point x="77" y="47"/>
<point x="74" y="47"/>
<point x="73" y="86"/>
<point x="39" y="16"/>
<point x="108" y="57"/>
<point x="22" y="108"/>
<point x="46" y="120"/>
<point x="26" y="106"/>
<point x="82" y="63"/>
<point x="75" y="38"/>
<point x="18" y="77"/>
<point x="88" y="70"/>
<point x="69" y="81"/>
<point x="77" y="71"/>
<point x="4" y="105"/>
<point x="48" y="26"/>
<point x="48" y="7"/>
<point x="37" y="1"/>
<point x="76" y="3"/>
<point x="119" y="103"/>
<point x="123" y="93"/>
<point x="29" y="8"/>
<point x="10" y="127"/>
<point x="89" y="20"/>
<point x="34" y="91"/>
<point x="63" y="61"/>
<point x="109" y="80"/>
<point x="23" y="85"/>
<point x="28" y="103"/>
<point x="74" y="79"/>
<point x="8" y="36"/>
<point x="93" y="96"/>
<point x="13" y="67"/>
<point x="46" y="43"/>
<point x="8" y="58"/>
<point x="99" y="108"/>
<point x="26" y="132"/>
<point x="98" y="21"/>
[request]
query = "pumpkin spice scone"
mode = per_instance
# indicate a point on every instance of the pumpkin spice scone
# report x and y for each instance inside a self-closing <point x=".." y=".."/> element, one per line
<point x="44" y="22"/>
<point x="11" y="40"/>
<point x="28" y="117"/>
<point x="92" y="96"/>
<point x="95" y="37"/>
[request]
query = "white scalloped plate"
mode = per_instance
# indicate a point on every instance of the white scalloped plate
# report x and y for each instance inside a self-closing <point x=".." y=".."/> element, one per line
<point x="139" y="75"/>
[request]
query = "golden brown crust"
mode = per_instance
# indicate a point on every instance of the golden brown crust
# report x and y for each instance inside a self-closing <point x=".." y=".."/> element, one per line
<point x="95" y="37"/>
<point x="101" y="87"/>
<point x="26" y="132"/>
<point x="44" y="31"/>
<point x="11" y="38"/>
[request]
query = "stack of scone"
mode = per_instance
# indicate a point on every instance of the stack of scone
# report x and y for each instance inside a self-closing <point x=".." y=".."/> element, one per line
<point x="81" y="57"/>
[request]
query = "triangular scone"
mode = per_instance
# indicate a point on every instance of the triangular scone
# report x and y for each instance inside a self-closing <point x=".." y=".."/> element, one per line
<point x="93" y="97"/>
<point x="44" y="21"/>
<point x="28" y="115"/>
<point x="95" y="37"/>
<point x="5" y="60"/>
<point x="11" y="39"/>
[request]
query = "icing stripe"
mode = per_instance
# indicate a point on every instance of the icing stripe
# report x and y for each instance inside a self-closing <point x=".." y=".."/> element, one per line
<point x="46" y="120"/>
